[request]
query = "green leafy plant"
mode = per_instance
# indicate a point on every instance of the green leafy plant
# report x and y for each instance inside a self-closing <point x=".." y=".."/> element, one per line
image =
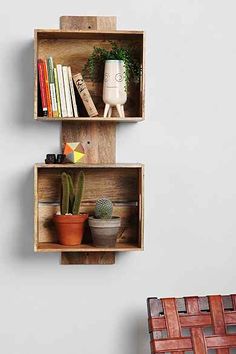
<point x="94" y="67"/>
<point x="71" y="195"/>
<point x="103" y="209"/>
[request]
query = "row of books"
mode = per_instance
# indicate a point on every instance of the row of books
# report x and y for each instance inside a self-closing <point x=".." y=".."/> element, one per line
<point x="57" y="91"/>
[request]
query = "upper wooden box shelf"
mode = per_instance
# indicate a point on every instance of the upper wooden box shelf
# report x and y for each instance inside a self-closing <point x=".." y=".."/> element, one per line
<point x="73" y="48"/>
<point x="122" y="183"/>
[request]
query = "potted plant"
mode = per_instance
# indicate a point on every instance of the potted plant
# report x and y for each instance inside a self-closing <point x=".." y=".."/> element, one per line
<point x="69" y="222"/>
<point x="104" y="227"/>
<point x="119" y="65"/>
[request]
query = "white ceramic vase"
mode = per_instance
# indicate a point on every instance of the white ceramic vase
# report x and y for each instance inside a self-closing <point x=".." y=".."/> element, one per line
<point x="114" y="87"/>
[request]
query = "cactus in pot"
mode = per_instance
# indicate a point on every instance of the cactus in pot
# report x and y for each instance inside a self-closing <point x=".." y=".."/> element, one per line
<point x="69" y="222"/>
<point x="103" y="209"/>
<point x="104" y="227"/>
<point x="71" y="196"/>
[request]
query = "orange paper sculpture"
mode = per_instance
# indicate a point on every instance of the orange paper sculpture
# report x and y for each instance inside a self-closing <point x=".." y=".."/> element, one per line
<point x="74" y="152"/>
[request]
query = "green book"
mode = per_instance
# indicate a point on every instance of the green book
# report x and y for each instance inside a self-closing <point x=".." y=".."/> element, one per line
<point x="57" y="93"/>
<point x="52" y="86"/>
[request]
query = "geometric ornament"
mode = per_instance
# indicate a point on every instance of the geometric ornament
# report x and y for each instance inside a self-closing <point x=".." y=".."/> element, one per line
<point x="74" y="151"/>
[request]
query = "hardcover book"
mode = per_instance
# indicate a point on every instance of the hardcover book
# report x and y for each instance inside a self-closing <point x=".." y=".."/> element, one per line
<point x="85" y="95"/>
<point x="42" y="84"/>
<point x="72" y="91"/>
<point x="49" y="104"/>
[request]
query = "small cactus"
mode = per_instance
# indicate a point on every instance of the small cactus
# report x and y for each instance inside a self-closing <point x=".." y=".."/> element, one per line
<point x="103" y="209"/>
<point x="71" y="196"/>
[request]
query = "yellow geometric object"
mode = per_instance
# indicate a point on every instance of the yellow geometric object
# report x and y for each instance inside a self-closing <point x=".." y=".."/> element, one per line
<point x="74" y="152"/>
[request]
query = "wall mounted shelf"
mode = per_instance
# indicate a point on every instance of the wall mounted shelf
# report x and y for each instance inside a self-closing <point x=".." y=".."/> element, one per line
<point x="73" y="48"/>
<point x="122" y="183"/>
<point x="93" y="119"/>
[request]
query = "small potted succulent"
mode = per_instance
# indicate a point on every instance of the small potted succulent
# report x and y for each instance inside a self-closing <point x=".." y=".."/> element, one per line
<point x="104" y="227"/>
<point x="118" y="66"/>
<point x="69" y="222"/>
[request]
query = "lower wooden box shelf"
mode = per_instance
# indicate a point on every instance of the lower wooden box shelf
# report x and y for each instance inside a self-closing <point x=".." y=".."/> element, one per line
<point x="122" y="183"/>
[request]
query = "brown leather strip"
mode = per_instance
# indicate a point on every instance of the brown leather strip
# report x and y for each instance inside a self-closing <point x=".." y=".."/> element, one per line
<point x="217" y="315"/>
<point x="180" y="344"/>
<point x="172" y="318"/>
<point x="175" y="345"/>
<point x="198" y="340"/>
<point x="223" y="341"/>
<point x="233" y="297"/>
<point x="197" y="335"/>
<point x="201" y="320"/>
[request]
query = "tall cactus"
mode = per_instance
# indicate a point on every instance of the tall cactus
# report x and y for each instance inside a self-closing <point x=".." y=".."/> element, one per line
<point x="71" y="192"/>
<point x="78" y="193"/>
<point x="71" y="196"/>
<point x="65" y="194"/>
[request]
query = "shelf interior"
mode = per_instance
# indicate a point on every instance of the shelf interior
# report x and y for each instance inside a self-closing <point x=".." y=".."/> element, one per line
<point x="73" y="48"/>
<point x="120" y="183"/>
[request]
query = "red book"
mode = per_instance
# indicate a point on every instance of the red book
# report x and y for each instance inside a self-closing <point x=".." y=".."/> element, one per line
<point x="48" y="96"/>
<point x="42" y="85"/>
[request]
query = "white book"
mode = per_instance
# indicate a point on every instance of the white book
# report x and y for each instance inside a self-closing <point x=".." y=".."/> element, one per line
<point x="53" y="99"/>
<point x="67" y="91"/>
<point x="62" y="91"/>
<point x="72" y="91"/>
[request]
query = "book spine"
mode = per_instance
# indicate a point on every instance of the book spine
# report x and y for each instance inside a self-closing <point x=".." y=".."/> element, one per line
<point x="52" y="87"/>
<point x="67" y="91"/>
<point x="85" y="95"/>
<point x="62" y="91"/>
<point x="72" y="91"/>
<point x="57" y="92"/>
<point x="42" y="85"/>
<point x="49" y="104"/>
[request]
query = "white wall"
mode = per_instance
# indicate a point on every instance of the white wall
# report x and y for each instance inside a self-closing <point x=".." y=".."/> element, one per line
<point x="188" y="146"/>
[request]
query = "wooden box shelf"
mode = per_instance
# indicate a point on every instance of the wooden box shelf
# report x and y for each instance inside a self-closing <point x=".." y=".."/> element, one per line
<point x="122" y="183"/>
<point x="69" y="47"/>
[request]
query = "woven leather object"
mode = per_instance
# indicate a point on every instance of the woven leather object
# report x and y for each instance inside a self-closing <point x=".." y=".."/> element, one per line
<point x="170" y="319"/>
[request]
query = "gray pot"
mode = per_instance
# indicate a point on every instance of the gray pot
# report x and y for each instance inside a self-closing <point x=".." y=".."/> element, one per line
<point x="104" y="231"/>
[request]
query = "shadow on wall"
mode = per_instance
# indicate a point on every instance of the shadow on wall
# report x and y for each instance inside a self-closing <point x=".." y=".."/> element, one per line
<point x="135" y="330"/>
<point x="25" y="125"/>
<point x="24" y="59"/>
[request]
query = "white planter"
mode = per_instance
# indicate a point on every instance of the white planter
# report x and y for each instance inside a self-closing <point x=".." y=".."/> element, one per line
<point x="114" y="87"/>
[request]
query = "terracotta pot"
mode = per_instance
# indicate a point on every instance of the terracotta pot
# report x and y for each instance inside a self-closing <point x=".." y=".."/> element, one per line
<point x="104" y="232"/>
<point x="70" y="228"/>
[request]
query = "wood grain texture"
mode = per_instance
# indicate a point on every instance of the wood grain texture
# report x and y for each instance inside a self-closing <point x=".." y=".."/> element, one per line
<point x="119" y="184"/>
<point x="195" y="314"/>
<point x="99" y="140"/>
<point x="93" y="119"/>
<point x="129" y="232"/>
<point x="56" y="247"/>
<point x="36" y="216"/>
<point x="74" y="48"/>
<point x="123" y="184"/>
<point x="87" y="22"/>
<point x="102" y="258"/>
